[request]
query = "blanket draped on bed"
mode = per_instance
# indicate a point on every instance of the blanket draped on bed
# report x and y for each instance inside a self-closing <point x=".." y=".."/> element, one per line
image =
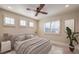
<point x="33" y="46"/>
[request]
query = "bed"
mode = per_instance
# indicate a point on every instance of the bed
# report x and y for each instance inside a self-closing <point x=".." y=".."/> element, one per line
<point x="32" y="45"/>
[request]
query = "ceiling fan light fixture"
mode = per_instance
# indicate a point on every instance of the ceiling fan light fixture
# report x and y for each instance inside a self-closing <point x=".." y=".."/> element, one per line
<point x="66" y="6"/>
<point x="9" y="7"/>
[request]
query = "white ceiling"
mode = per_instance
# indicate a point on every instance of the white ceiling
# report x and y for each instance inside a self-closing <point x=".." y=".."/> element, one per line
<point x="52" y="9"/>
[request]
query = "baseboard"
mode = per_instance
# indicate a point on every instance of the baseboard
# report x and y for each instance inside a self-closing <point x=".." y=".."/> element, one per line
<point x="59" y="43"/>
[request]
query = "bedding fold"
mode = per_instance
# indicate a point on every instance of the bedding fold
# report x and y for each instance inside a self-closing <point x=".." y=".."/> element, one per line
<point x="35" y="45"/>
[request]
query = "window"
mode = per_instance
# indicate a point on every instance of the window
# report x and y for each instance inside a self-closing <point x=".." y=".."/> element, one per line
<point x="69" y="23"/>
<point x="47" y="27"/>
<point x="31" y="24"/>
<point x="22" y="23"/>
<point x="9" y="21"/>
<point x="53" y="26"/>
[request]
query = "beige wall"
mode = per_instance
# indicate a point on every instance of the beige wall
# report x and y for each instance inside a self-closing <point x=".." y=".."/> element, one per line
<point x="16" y="29"/>
<point x="61" y="37"/>
<point x="39" y="25"/>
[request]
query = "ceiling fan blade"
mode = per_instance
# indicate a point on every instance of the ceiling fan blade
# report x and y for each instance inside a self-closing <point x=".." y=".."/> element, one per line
<point x="41" y="6"/>
<point x="30" y="9"/>
<point x="43" y="12"/>
<point x="36" y="14"/>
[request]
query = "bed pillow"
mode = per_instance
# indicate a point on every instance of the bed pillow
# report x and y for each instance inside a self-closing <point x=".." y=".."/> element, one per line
<point x="23" y="37"/>
<point x="20" y="38"/>
<point x="30" y="36"/>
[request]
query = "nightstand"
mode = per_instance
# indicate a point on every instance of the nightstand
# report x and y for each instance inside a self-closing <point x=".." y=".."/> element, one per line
<point x="5" y="46"/>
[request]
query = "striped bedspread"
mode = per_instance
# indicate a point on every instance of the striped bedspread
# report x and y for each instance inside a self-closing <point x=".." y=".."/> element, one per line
<point x="35" y="45"/>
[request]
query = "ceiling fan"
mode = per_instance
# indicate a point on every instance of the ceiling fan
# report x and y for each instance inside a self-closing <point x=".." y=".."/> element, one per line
<point x="38" y="9"/>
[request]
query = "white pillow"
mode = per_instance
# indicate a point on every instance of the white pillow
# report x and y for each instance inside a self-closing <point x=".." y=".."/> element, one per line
<point x="20" y="38"/>
<point x="30" y="36"/>
<point x="5" y="46"/>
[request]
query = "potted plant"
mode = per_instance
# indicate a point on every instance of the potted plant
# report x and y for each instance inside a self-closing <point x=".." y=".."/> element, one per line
<point x="72" y="36"/>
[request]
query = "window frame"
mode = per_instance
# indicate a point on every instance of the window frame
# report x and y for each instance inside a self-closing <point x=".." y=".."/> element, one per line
<point x="8" y="24"/>
<point x="49" y="27"/>
<point x="32" y="23"/>
<point x="70" y="22"/>
<point x="23" y="25"/>
<point x="50" y="32"/>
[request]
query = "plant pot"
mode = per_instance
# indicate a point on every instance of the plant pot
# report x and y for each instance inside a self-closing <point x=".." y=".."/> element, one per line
<point x="72" y="48"/>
